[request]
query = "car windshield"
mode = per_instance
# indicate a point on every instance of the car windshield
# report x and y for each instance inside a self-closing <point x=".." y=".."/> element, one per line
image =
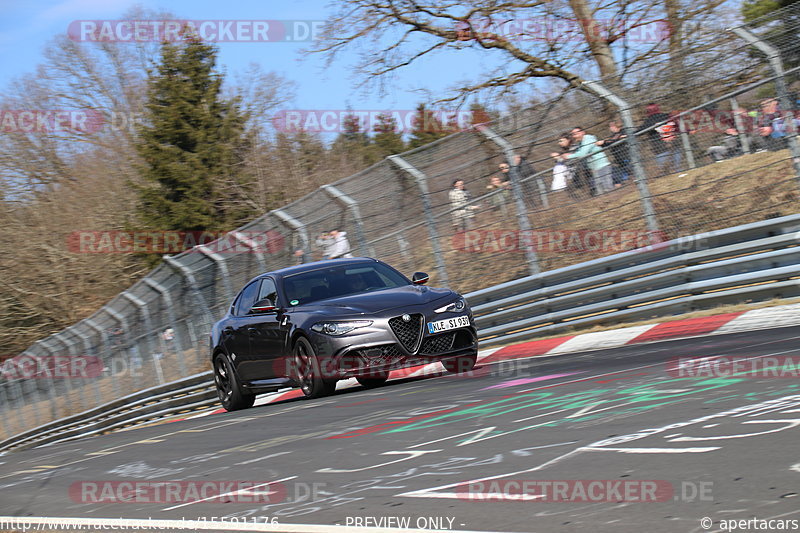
<point x="336" y="281"/>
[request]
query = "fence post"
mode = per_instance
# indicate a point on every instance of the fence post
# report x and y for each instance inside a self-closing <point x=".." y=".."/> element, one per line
<point x="159" y="288"/>
<point x="744" y="140"/>
<point x="106" y="348"/>
<point x="775" y="62"/>
<point x="223" y="268"/>
<point x="51" y="389"/>
<point x="148" y="324"/>
<point x="516" y="187"/>
<point x="47" y="344"/>
<point x="687" y="144"/>
<point x="87" y="346"/>
<point x="422" y="183"/>
<point x="188" y="275"/>
<point x="633" y="147"/>
<point x="254" y="248"/>
<point x="126" y="341"/>
<point x="352" y="205"/>
<point x="296" y="226"/>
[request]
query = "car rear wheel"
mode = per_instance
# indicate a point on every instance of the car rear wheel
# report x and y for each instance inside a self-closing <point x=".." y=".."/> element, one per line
<point x="231" y="394"/>
<point x="309" y="375"/>
<point x="464" y="363"/>
<point x="372" y="380"/>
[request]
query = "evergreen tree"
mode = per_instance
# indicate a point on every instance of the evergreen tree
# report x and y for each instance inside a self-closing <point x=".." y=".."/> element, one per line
<point x="189" y="141"/>
<point x="427" y="128"/>
<point x="387" y="141"/>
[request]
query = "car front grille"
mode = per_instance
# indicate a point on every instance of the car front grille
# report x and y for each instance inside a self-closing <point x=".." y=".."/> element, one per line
<point x="407" y="333"/>
<point x="380" y="355"/>
<point x="437" y="344"/>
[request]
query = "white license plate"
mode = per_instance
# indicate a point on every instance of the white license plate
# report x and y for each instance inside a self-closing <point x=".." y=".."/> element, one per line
<point x="449" y="323"/>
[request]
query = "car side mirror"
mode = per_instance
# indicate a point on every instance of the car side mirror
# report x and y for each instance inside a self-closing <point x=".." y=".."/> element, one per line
<point x="262" y="306"/>
<point x="420" y="278"/>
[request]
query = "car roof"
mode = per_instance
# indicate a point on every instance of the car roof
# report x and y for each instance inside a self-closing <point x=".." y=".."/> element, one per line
<point x="317" y="265"/>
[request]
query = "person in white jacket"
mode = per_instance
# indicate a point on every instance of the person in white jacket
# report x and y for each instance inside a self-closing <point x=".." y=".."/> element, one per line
<point x="334" y="244"/>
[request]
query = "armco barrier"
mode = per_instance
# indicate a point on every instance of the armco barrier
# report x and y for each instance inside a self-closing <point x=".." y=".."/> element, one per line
<point x="752" y="262"/>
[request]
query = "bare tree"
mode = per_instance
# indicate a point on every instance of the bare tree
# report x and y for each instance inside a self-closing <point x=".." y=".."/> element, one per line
<point x="567" y="40"/>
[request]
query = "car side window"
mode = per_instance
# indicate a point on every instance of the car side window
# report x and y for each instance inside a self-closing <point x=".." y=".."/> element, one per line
<point x="268" y="290"/>
<point x="247" y="298"/>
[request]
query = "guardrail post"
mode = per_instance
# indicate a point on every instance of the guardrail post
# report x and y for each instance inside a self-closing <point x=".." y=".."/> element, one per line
<point x="173" y="321"/>
<point x="633" y="147"/>
<point x="775" y="62"/>
<point x="349" y="203"/>
<point x="522" y="213"/>
<point x="148" y="324"/>
<point x="254" y="248"/>
<point x="72" y="348"/>
<point x="223" y="269"/>
<point x="46" y="343"/>
<point x="191" y="280"/>
<point x="106" y="348"/>
<point x="296" y="226"/>
<point x="422" y="183"/>
<point x="87" y="346"/>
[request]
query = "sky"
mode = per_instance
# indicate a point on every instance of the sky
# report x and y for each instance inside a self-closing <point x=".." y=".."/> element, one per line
<point x="26" y="27"/>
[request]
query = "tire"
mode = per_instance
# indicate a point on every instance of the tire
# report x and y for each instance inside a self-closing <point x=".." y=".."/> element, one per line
<point x="372" y="381"/>
<point x="307" y="367"/>
<point x="456" y="365"/>
<point x="231" y="394"/>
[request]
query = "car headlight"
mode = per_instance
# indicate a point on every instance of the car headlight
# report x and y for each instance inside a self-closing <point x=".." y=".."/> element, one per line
<point x="454" y="307"/>
<point x="340" y="328"/>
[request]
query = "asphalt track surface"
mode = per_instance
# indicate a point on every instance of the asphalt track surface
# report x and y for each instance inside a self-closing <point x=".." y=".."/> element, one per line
<point x="424" y="453"/>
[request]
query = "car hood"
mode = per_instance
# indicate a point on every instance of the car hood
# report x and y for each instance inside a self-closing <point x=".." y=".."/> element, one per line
<point x="376" y="302"/>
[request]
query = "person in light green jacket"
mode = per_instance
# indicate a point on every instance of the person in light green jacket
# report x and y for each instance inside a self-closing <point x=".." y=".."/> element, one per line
<point x="598" y="162"/>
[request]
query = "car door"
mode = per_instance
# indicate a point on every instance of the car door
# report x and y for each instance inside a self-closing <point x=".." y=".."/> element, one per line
<point x="236" y="333"/>
<point x="267" y="336"/>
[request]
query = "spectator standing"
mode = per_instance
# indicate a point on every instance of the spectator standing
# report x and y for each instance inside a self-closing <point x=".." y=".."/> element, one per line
<point x="499" y="200"/>
<point x="620" y="153"/>
<point x="562" y="173"/>
<point x="770" y="127"/>
<point x="526" y="170"/>
<point x="460" y="202"/>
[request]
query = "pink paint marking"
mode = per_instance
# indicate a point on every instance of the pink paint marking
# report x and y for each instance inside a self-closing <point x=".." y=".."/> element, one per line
<point x="525" y="381"/>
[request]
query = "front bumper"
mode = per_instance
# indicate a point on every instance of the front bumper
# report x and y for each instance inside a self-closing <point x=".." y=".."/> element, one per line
<point x="380" y="349"/>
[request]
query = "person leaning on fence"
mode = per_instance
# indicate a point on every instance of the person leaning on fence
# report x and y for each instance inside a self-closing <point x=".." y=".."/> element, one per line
<point x="619" y="151"/>
<point x="463" y="212"/>
<point x="334" y="244"/>
<point x="663" y="139"/>
<point x="771" y="132"/>
<point x="598" y="162"/>
<point x="499" y="200"/>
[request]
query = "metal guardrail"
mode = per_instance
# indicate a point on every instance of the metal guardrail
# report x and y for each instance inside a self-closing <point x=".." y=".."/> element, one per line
<point x="757" y="261"/>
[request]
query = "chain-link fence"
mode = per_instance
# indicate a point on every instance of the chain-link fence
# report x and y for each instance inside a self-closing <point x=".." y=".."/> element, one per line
<point x="702" y="140"/>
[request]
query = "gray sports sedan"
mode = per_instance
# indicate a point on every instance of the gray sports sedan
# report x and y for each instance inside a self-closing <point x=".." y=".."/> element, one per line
<point x="311" y="325"/>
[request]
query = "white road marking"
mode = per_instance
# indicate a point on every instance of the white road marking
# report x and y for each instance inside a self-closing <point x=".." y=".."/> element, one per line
<point x="240" y="491"/>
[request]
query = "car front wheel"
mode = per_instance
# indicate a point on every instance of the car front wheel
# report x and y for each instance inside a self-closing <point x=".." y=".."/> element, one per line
<point x="230" y="392"/>
<point x="309" y="374"/>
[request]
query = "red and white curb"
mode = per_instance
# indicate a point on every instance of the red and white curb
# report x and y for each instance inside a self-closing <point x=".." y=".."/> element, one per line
<point x="769" y="317"/>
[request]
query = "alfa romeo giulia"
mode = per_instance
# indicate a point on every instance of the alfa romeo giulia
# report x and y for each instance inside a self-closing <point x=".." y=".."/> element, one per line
<point x="311" y="325"/>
